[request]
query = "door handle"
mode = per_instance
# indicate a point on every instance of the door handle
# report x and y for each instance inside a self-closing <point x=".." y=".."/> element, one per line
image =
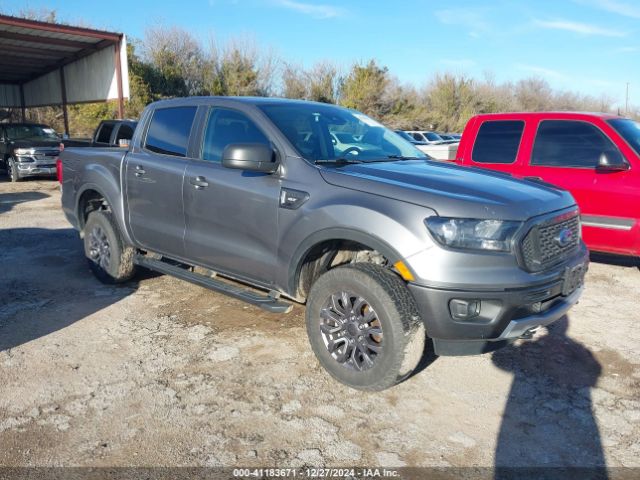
<point x="139" y="171"/>
<point x="534" y="179"/>
<point x="199" y="182"/>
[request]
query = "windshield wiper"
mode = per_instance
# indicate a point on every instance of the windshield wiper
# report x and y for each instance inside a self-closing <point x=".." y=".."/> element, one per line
<point x="338" y="161"/>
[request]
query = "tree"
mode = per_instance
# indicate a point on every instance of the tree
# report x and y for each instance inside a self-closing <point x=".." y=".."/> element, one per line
<point x="533" y="95"/>
<point x="452" y="101"/>
<point x="240" y="68"/>
<point x="319" y="84"/>
<point x="175" y="59"/>
<point x="364" y="89"/>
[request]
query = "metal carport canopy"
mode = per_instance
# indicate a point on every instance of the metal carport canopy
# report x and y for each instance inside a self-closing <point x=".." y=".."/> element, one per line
<point x="45" y="64"/>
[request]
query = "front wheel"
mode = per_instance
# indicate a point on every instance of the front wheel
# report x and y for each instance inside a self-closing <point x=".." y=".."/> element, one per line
<point x="12" y="171"/>
<point x="109" y="258"/>
<point x="364" y="327"/>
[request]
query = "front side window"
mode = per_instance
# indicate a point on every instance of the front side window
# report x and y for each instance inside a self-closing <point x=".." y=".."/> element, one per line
<point x="565" y="143"/>
<point x="498" y="141"/>
<point x="104" y="135"/>
<point x="629" y="130"/>
<point x="226" y="127"/>
<point x="328" y="132"/>
<point x="169" y="130"/>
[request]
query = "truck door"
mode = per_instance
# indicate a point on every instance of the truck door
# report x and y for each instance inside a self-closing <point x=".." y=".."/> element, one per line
<point x="231" y="215"/>
<point x="565" y="153"/>
<point x="153" y="177"/>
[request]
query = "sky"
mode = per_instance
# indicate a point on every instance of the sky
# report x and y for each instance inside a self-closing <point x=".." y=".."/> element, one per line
<point x="588" y="46"/>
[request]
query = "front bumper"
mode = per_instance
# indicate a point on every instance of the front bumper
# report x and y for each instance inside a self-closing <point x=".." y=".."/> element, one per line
<point x="29" y="169"/>
<point x="504" y="313"/>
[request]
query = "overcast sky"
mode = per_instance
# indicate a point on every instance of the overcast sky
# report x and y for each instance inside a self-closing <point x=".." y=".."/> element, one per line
<point x="589" y="46"/>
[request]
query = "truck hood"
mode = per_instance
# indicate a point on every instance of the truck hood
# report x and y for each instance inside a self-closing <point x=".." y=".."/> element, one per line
<point x="34" y="144"/>
<point x="450" y="190"/>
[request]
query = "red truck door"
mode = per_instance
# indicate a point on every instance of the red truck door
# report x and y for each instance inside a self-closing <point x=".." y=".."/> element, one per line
<point x="565" y="152"/>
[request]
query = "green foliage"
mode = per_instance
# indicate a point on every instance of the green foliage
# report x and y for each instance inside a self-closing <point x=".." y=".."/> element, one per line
<point x="364" y="89"/>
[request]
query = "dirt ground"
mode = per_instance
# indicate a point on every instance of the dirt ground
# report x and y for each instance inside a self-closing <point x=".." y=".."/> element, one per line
<point x="161" y="372"/>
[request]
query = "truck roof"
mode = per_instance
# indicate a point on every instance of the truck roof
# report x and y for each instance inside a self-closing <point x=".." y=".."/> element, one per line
<point x="550" y="114"/>
<point x="245" y="100"/>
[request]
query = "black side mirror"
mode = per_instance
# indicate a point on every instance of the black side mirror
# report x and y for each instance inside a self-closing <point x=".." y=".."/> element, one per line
<point x="611" y="161"/>
<point x="255" y="157"/>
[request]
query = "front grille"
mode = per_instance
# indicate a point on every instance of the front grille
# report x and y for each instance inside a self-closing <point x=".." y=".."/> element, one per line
<point x="47" y="165"/>
<point x="549" y="242"/>
<point x="45" y="154"/>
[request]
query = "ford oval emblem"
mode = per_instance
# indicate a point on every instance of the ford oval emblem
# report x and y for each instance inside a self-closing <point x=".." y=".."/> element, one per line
<point x="564" y="238"/>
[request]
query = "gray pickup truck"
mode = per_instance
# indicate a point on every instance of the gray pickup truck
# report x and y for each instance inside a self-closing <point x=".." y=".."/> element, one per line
<point x="252" y="197"/>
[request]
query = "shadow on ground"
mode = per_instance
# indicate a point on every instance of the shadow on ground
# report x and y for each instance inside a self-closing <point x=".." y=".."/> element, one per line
<point x="617" y="260"/>
<point x="548" y="419"/>
<point x="46" y="284"/>
<point x="10" y="200"/>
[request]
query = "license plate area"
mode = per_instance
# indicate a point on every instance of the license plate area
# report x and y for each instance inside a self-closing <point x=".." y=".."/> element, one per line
<point x="573" y="278"/>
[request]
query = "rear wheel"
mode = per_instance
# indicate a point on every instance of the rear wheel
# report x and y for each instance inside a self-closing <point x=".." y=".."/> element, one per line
<point x="364" y="327"/>
<point x="109" y="258"/>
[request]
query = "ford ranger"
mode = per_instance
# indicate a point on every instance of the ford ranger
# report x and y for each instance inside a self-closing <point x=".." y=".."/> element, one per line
<point x="385" y="248"/>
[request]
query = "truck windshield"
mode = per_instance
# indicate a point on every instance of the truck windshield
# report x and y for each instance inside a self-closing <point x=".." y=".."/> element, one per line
<point x="31" y="132"/>
<point x="326" y="132"/>
<point x="629" y="130"/>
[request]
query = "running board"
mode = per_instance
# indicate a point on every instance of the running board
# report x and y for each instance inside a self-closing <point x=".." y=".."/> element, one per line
<point x="267" y="302"/>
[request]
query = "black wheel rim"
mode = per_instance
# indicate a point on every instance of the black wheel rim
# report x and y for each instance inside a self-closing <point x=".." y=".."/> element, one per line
<point x="99" y="249"/>
<point x="351" y="331"/>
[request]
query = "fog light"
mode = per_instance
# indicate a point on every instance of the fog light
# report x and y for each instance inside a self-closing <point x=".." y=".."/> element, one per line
<point x="464" y="309"/>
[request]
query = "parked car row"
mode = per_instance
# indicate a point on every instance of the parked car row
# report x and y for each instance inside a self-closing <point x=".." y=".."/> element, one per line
<point x="437" y="146"/>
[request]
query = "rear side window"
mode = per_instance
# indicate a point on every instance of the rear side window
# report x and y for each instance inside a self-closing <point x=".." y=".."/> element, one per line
<point x="125" y="132"/>
<point x="104" y="135"/>
<point x="565" y="143"/>
<point x="169" y="130"/>
<point x="225" y="127"/>
<point x="498" y="141"/>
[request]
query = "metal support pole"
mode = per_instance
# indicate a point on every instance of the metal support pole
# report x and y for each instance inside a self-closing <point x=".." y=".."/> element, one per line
<point x="626" y="102"/>
<point x="117" y="47"/>
<point x="22" y="107"/>
<point x="63" y="91"/>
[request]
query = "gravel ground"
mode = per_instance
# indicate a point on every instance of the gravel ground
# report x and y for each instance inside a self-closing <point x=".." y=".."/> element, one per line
<point x="161" y="372"/>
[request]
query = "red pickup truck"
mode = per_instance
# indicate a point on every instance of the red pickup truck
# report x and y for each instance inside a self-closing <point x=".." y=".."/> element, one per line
<point x="594" y="156"/>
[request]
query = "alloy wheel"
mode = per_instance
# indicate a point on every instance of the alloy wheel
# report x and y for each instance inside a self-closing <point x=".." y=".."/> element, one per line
<point x="351" y="330"/>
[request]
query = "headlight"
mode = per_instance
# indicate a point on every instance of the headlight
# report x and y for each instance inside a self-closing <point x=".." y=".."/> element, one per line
<point x="24" y="151"/>
<point x="494" y="235"/>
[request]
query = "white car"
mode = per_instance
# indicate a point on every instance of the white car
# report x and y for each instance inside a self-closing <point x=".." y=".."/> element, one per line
<point x="434" y="145"/>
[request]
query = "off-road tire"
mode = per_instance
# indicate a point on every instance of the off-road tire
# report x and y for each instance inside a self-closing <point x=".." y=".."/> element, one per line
<point x="120" y="267"/>
<point x="403" y="330"/>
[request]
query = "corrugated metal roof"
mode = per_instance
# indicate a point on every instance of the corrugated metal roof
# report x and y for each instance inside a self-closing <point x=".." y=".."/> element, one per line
<point x="31" y="49"/>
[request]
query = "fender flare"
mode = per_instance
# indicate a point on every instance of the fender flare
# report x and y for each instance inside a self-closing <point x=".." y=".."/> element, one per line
<point x="337" y="233"/>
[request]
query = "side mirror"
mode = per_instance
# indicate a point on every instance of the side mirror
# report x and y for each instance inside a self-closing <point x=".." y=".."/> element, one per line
<point x="611" y="161"/>
<point x="255" y="157"/>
